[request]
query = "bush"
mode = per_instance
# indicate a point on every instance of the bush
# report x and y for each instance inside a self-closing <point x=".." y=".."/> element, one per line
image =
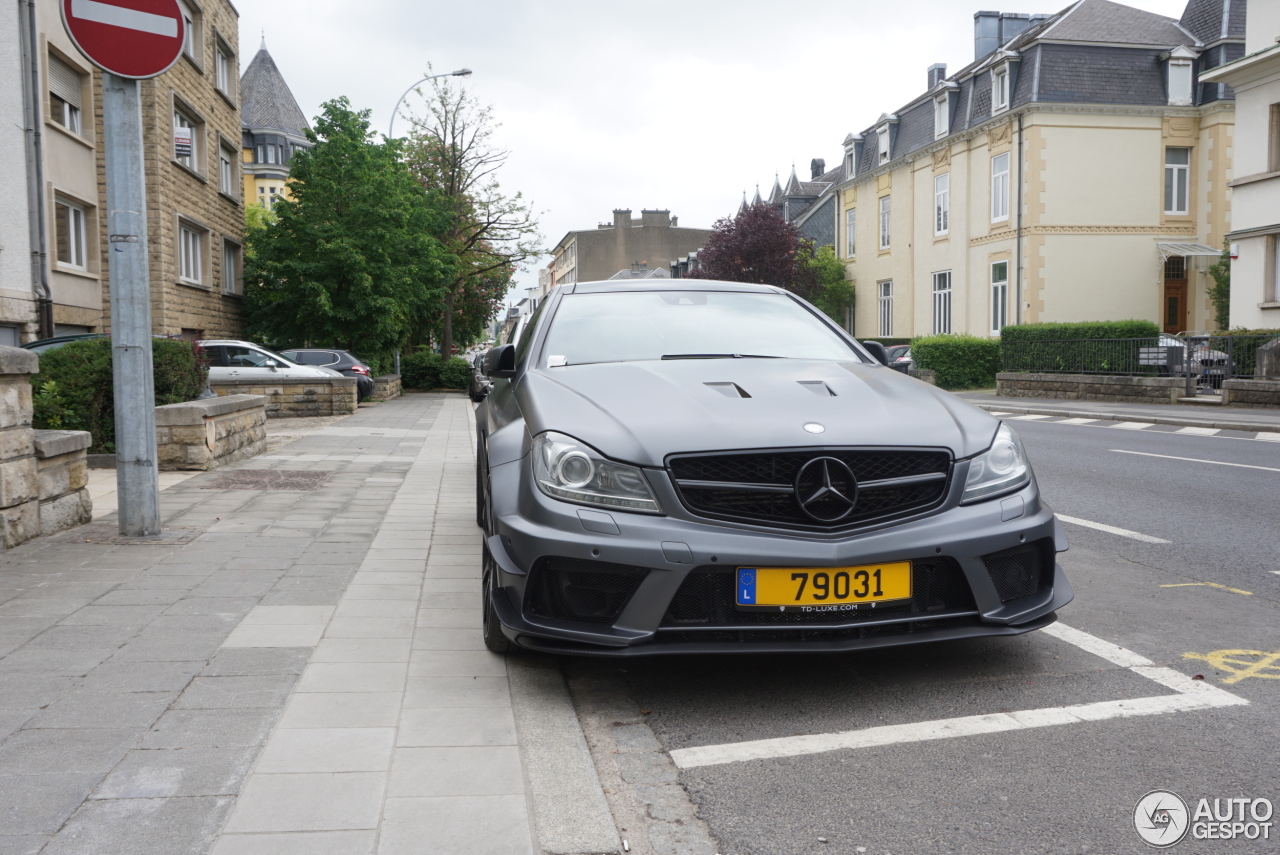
<point x="1080" y="331"/>
<point x="1089" y="347"/>
<point x="427" y="370"/>
<point x="961" y="361"/>
<point x="74" y="389"/>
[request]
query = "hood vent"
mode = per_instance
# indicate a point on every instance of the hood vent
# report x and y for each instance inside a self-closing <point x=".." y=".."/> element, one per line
<point x="729" y="390"/>
<point x="818" y="387"/>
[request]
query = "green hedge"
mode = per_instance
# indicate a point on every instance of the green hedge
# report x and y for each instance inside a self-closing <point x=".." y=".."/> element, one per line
<point x="1088" y="347"/>
<point x="426" y="370"/>
<point x="960" y="361"/>
<point x="74" y="389"/>
<point x="1079" y="331"/>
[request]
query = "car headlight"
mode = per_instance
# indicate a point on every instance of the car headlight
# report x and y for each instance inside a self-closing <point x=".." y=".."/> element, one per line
<point x="567" y="469"/>
<point x="1000" y="469"/>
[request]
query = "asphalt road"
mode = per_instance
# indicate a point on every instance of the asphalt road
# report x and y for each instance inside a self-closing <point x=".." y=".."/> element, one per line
<point x="1063" y="788"/>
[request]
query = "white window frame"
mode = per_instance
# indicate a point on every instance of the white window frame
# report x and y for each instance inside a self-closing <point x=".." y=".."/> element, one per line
<point x="1177" y="183"/>
<point x="884" y="308"/>
<point x="886" y="221"/>
<point x="851" y="233"/>
<point x="191" y="37"/>
<point x="66" y="87"/>
<point x="179" y="117"/>
<point x="1000" y="188"/>
<point x="1180" y="78"/>
<point x="77" y="227"/>
<point x="882" y="142"/>
<point x="1000" y="89"/>
<point x="941" y="116"/>
<point x="224" y="78"/>
<point x="232" y="261"/>
<point x="942" y="302"/>
<point x="191" y="254"/>
<point x="226" y="169"/>
<point x="942" y="204"/>
<point x="999" y="297"/>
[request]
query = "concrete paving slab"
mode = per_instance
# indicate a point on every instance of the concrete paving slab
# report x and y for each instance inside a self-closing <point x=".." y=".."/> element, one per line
<point x="352" y="677"/>
<point x="177" y="826"/>
<point x="457" y="727"/>
<point x="241" y="692"/>
<point x="490" y="770"/>
<point x="308" y="802"/>
<point x="475" y="825"/>
<point x="106" y="710"/>
<point x="444" y="692"/>
<point x="357" y="627"/>
<point x="114" y="676"/>
<point x="41" y="752"/>
<point x="210" y="728"/>
<point x="40" y="804"/>
<point x="345" y="749"/>
<point x="298" y="843"/>
<point x="249" y="661"/>
<point x="342" y="709"/>
<point x="185" y="772"/>
<point x="289" y="635"/>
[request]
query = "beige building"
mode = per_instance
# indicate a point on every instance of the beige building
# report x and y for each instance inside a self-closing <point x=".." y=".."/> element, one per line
<point x="625" y="244"/>
<point x="195" y="211"/>
<point x="274" y="129"/>
<point x="1076" y="170"/>
<point x="1255" y="202"/>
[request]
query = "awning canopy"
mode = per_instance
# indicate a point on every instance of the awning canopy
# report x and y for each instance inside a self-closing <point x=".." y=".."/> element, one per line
<point x="1185" y="249"/>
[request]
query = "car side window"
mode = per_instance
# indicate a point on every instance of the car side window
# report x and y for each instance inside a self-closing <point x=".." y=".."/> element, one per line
<point x="526" y="337"/>
<point x="245" y="357"/>
<point x="217" y="356"/>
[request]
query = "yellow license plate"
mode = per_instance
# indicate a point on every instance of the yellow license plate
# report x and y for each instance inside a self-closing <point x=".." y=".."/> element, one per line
<point x="825" y="586"/>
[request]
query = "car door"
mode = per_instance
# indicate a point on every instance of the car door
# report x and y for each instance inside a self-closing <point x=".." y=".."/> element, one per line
<point x="249" y="363"/>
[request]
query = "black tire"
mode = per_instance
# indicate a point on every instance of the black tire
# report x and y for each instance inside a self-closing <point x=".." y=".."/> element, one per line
<point x="494" y="640"/>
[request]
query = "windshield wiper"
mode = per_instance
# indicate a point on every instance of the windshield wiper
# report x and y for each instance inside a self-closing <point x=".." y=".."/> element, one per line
<point x="717" y="356"/>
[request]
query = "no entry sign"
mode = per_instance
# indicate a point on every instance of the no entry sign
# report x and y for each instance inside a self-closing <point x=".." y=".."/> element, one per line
<point x="129" y="38"/>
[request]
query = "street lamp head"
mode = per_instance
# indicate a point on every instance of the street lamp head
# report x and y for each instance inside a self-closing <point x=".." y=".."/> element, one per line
<point x="461" y="72"/>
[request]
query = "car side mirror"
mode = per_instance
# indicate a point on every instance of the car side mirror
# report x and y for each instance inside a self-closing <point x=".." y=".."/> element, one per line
<point x="501" y="361"/>
<point x="877" y="350"/>
<point x="272" y="364"/>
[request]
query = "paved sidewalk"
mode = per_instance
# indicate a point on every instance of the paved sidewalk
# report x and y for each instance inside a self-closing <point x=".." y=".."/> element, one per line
<point x="1207" y="416"/>
<point x="295" y="667"/>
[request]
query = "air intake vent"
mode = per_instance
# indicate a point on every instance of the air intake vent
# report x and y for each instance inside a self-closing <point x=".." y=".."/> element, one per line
<point x="729" y="390"/>
<point x="817" y="387"/>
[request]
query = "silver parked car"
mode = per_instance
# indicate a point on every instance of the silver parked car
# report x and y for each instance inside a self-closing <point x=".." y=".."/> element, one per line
<point x="691" y="466"/>
<point x="242" y="360"/>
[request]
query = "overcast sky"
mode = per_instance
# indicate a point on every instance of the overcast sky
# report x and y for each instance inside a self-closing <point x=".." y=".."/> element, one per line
<point x="678" y="104"/>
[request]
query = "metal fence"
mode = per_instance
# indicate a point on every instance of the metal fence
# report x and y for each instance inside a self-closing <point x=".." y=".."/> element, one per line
<point x="1208" y="360"/>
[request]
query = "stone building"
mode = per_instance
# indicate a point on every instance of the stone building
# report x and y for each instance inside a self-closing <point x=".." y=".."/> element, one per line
<point x="273" y="129"/>
<point x="195" y="211"/>
<point x="1255" y="193"/>
<point x="1076" y="170"/>
<point x="653" y="241"/>
<point x="18" y="285"/>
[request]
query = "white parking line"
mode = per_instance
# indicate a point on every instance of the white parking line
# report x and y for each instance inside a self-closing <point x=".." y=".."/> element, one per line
<point x="1110" y="529"/>
<point x="1131" y="425"/>
<point x="1199" y="431"/>
<point x="1190" y="695"/>
<point x="1197" y="460"/>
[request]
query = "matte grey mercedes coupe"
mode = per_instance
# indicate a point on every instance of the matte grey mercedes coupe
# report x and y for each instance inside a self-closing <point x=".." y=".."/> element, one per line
<point x="691" y="466"/>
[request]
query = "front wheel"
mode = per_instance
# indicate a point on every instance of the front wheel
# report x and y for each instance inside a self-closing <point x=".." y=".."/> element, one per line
<point x="494" y="640"/>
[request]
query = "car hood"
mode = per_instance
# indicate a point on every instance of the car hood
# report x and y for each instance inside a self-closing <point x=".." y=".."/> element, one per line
<point x="640" y="412"/>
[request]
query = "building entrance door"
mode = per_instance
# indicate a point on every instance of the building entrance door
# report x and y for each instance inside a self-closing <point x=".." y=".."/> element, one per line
<point x="1174" y="309"/>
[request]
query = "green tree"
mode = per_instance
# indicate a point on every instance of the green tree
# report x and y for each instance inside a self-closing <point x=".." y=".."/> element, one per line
<point x="833" y="293"/>
<point x="355" y="256"/>
<point x="490" y="231"/>
<point x="1220" y="290"/>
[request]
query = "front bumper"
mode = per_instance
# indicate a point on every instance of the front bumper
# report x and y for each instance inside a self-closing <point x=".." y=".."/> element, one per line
<point x="664" y="552"/>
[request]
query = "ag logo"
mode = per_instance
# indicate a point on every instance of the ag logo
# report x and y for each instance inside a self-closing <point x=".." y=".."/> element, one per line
<point x="1161" y="818"/>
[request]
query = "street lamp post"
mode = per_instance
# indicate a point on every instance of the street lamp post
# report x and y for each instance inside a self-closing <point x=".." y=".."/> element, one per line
<point x="461" y="72"/>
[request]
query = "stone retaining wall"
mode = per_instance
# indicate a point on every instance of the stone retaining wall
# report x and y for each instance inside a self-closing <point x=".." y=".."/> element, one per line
<point x="1254" y="394"/>
<point x="333" y="396"/>
<point x="212" y="432"/>
<point x="63" y="470"/>
<point x="1091" y="387"/>
<point x="926" y="375"/>
<point x="386" y="387"/>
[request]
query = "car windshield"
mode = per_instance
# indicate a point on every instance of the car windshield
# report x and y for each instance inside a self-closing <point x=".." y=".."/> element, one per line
<point x="627" y="326"/>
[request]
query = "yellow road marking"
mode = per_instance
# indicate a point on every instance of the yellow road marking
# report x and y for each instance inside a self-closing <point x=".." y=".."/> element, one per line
<point x="1264" y="666"/>
<point x="1209" y="585"/>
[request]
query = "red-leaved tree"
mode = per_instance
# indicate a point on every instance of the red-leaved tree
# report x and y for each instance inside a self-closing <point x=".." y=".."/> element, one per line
<point x="758" y="246"/>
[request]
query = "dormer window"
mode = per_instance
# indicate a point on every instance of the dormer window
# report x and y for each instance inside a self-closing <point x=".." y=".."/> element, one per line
<point x="1000" y="89"/>
<point x="882" y="139"/>
<point x="1179" y="63"/>
<point x="852" y="148"/>
<point x="941" y="117"/>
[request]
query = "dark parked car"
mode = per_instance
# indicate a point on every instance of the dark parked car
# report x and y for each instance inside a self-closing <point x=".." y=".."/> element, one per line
<point x="59" y="340"/>
<point x="336" y="360"/>
<point x="900" y="358"/>
<point x="694" y="466"/>
<point x="479" y="385"/>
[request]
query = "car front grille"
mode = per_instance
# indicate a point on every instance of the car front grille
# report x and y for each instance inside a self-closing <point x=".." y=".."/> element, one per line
<point x="706" y="599"/>
<point x="760" y="486"/>
<point x="1021" y="571"/>
<point x="581" y="590"/>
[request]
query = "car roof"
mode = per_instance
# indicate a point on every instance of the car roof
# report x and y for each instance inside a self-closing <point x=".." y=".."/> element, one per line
<point x="670" y="285"/>
<point x="228" y="341"/>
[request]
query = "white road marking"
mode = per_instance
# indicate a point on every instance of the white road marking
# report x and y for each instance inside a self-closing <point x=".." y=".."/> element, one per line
<point x="1110" y="529"/>
<point x="1029" y="417"/>
<point x="1077" y="421"/>
<point x="1197" y="460"/>
<point x="1268" y="437"/>
<point x="1199" y="431"/>
<point x="1191" y="695"/>
<point x="1132" y="425"/>
<point x="128" y="19"/>
<point x="999" y="414"/>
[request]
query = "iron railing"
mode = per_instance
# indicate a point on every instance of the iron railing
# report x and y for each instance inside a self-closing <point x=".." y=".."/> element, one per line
<point x="1207" y="359"/>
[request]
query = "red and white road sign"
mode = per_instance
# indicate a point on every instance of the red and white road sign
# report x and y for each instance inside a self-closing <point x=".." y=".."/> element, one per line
<point x="129" y="38"/>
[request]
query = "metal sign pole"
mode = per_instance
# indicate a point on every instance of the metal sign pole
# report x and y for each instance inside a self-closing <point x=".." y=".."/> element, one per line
<point x="137" y="478"/>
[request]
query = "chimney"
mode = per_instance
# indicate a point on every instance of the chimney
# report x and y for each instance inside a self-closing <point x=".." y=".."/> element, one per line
<point x="817" y="166"/>
<point x="674" y="220"/>
<point x="986" y="33"/>
<point x="937" y="73"/>
<point x="655" y="218"/>
<point x="622" y="218"/>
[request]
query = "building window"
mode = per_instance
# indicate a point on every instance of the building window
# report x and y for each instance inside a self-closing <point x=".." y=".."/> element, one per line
<point x="942" y="302"/>
<point x="882" y="140"/>
<point x="851" y="232"/>
<point x="1180" y="84"/>
<point x="1000" y="187"/>
<point x="64" y="94"/>
<point x="227" y="170"/>
<point x="1273" y="140"/>
<point x="232" y="283"/>
<point x="884" y="222"/>
<point x="192" y="36"/>
<point x="885" y="307"/>
<point x="271" y="153"/>
<point x="999" y="295"/>
<point x="71" y="233"/>
<point x="186" y="140"/>
<point x="190" y="254"/>
<point x="942" y="203"/>
<point x="262" y="153"/>
<point x="1177" y="168"/>
<point x="999" y="90"/>
<point x="941" y="117"/>
<point x="225" y="70"/>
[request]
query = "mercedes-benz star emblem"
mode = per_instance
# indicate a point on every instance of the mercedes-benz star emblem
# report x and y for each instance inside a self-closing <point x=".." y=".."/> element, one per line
<point x="826" y="489"/>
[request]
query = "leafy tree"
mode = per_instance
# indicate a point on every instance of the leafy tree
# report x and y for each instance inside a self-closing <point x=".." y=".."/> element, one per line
<point x="490" y="231"/>
<point x="354" y="257"/>
<point x="834" y="293"/>
<point x="1220" y="291"/>
<point x="759" y="246"/>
